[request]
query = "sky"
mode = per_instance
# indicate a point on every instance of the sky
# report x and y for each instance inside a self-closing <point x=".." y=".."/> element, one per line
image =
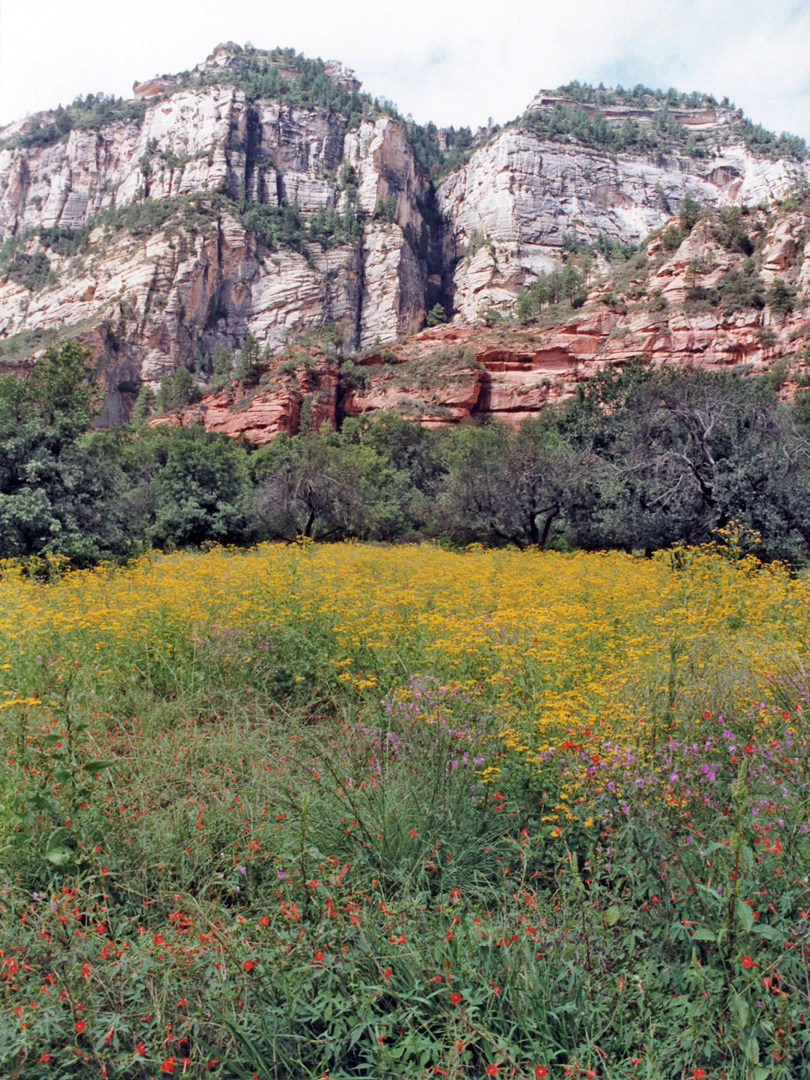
<point x="456" y="62"/>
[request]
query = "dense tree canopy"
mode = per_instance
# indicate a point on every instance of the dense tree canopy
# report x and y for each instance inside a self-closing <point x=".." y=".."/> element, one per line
<point x="638" y="460"/>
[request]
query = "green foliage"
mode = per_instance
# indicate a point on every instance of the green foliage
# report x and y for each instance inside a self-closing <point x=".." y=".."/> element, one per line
<point x="184" y="487"/>
<point x="437" y="315"/>
<point x="612" y="250"/>
<point x="144" y="405"/>
<point x="386" y="208"/>
<point x="293" y="79"/>
<point x="29" y="269"/>
<point x="767" y="143"/>
<point x="580" y="118"/>
<point x="780" y="297"/>
<point x="85" y="113"/>
<point x="440" y="151"/>
<point x="331" y="228"/>
<point x="671" y="238"/>
<point x="509" y="487"/>
<point x="735" y="291"/>
<point x="277" y="226"/>
<point x="55" y="494"/>
<point x="684" y="453"/>
<point x="728" y="228"/>
<point x="564" y="283"/>
<point x="689" y="213"/>
<point x="176" y="390"/>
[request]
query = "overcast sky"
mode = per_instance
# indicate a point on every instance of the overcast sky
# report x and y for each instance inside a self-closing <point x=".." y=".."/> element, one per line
<point x="452" y="61"/>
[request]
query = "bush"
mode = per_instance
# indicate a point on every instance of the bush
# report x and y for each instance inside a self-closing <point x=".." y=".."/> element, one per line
<point x="729" y="230"/>
<point x="437" y="315"/>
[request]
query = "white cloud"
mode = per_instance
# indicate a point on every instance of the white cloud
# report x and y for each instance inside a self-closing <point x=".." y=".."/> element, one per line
<point x="453" y="61"/>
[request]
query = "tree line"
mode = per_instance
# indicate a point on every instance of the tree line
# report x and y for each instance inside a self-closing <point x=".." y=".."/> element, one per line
<point x="637" y="460"/>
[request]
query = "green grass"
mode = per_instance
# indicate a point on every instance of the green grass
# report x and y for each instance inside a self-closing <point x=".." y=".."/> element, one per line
<point x="225" y="857"/>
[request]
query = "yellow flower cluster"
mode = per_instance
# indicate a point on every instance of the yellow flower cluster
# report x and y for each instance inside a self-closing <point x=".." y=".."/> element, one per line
<point x="565" y="646"/>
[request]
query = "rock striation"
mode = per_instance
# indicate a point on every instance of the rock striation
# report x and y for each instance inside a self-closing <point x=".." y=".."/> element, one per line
<point x="207" y="213"/>
<point x="454" y="373"/>
<point x="517" y="199"/>
<point x="175" y="278"/>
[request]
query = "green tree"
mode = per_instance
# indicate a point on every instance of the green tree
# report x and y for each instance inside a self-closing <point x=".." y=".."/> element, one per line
<point x="780" y="297"/>
<point x="507" y="486"/>
<point x="689" y="213"/>
<point x="436" y="315"/>
<point x="313" y="486"/>
<point x="56" y="494"/>
<point x="183" y="387"/>
<point x="144" y="405"/>
<point x="186" y="486"/>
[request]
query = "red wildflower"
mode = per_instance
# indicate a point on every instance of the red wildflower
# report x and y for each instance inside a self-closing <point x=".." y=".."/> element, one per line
<point x="79" y="1026"/>
<point x="249" y="965"/>
<point x="158" y="939"/>
<point x="698" y="1073"/>
<point x="747" y="962"/>
<point x="167" y="1066"/>
<point x="491" y="1070"/>
<point x="455" y="998"/>
<point x="44" y="1058"/>
<point x="541" y="1072"/>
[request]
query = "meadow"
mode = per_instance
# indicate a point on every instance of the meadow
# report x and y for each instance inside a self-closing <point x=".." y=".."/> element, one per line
<point x="310" y="811"/>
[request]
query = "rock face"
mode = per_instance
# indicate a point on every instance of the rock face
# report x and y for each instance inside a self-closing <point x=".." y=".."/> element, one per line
<point x="513" y="203"/>
<point x="449" y="374"/>
<point x="153" y="294"/>
<point x="198" y="218"/>
<point x="454" y="373"/>
<point x="280" y="402"/>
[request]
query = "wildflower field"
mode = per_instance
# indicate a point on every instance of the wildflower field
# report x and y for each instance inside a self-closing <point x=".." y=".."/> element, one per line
<point x="354" y="811"/>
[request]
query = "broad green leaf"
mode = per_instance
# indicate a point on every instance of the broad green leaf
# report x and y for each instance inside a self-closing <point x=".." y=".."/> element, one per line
<point x="58" y="854"/>
<point x="96" y="767"/>
<point x="613" y="914"/>
<point x="766" y="932"/>
<point x="704" y="934"/>
<point x="740" y="1010"/>
<point x="746" y="915"/>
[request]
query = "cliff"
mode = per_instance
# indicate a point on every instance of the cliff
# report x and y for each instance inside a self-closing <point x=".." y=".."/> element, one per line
<point x="516" y="202"/>
<point x="210" y="219"/>
<point x="699" y="304"/>
<point x="261" y="200"/>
